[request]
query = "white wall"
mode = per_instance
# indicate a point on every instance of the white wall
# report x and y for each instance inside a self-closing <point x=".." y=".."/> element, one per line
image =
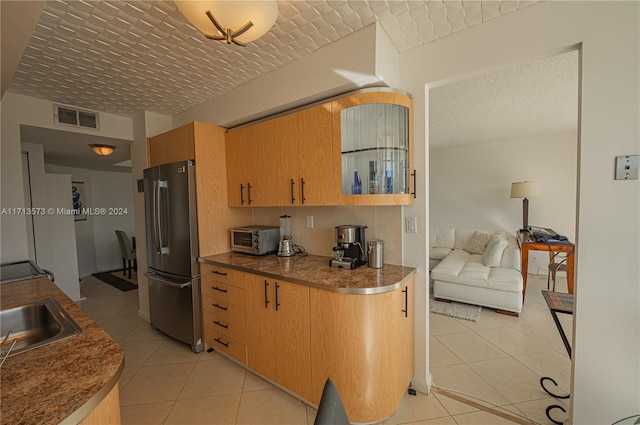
<point x="606" y="342"/>
<point x="469" y="186"/>
<point x="15" y="110"/>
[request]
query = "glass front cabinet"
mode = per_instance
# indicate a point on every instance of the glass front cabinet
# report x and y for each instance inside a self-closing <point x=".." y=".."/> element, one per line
<point x="372" y="148"/>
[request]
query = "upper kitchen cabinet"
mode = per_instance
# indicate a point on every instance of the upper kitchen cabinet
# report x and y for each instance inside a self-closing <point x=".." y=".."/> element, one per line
<point x="372" y="148"/>
<point x="315" y="156"/>
<point x="173" y="146"/>
<point x="237" y="180"/>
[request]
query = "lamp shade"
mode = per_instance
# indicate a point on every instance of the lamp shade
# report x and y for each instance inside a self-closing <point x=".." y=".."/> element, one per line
<point x="232" y="15"/>
<point x="525" y="190"/>
<point x="102" y="150"/>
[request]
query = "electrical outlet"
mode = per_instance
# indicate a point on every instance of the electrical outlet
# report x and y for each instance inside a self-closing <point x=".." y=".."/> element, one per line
<point x="627" y="167"/>
<point x="411" y="224"/>
<point x="309" y="222"/>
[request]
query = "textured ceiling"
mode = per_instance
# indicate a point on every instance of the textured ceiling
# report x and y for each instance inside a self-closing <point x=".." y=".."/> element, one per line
<point x="124" y="57"/>
<point x="530" y="100"/>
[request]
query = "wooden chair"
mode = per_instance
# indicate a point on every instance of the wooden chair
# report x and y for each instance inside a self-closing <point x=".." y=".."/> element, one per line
<point x="557" y="263"/>
<point x="128" y="253"/>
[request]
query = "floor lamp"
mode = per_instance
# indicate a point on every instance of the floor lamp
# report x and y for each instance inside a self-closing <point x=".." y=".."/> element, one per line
<point x="525" y="190"/>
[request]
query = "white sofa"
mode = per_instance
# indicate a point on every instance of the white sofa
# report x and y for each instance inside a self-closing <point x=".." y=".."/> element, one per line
<point x="489" y="278"/>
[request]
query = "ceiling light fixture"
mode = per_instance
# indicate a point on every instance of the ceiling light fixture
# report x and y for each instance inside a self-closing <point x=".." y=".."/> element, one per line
<point x="102" y="150"/>
<point x="237" y="22"/>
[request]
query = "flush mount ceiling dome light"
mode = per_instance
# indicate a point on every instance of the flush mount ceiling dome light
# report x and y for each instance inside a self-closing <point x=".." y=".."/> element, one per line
<point x="102" y="150"/>
<point x="238" y="22"/>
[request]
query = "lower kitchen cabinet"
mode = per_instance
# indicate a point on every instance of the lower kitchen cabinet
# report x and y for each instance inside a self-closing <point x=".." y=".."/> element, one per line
<point x="364" y="343"/>
<point x="278" y="332"/>
<point x="224" y="310"/>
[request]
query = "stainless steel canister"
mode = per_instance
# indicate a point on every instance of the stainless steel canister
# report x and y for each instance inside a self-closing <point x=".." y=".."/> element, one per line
<point x="375" y="249"/>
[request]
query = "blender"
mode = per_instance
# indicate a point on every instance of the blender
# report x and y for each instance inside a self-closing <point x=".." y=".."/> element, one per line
<point x="285" y="247"/>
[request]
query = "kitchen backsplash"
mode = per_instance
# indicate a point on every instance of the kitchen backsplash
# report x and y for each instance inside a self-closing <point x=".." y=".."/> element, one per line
<point x="382" y="223"/>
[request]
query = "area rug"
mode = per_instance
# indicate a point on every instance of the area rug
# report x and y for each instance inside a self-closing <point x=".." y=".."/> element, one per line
<point x="454" y="309"/>
<point x="116" y="282"/>
<point x="134" y="276"/>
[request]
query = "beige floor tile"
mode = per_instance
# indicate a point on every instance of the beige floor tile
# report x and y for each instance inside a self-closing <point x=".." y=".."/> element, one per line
<point x="157" y="383"/>
<point x="212" y="410"/>
<point x="101" y="316"/>
<point x="440" y="355"/>
<point x="145" y="414"/>
<point x="481" y="418"/>
<point x="487" y="321"/>
<point x="440" y="325"/>
<point x="547" y="334"/>
<point x="535" y="410"/>
<point x="137" y="352"/>
<point x="417" y="408"/>
<point x="127" y="316"/>
<point x="270" y="407"/>
<point x="462" y="378"/>
<point x="469" y="347"/>
<point x="549" y="363"/>
<point x="172" y="351"/>
<point x="311" y="414"/>
<point x="213" y="355"/>
<point x="447" y="420"/>
<point x="211" y="378"/>
<point x="252" y="382"/>
<point x="118" y="331"/>
<point x="454" y="407"/>
<point x="127" y="374"/>
<point x="512" y="341"/>
<point x="144" y="332"/>
<point x="516" y="382"/>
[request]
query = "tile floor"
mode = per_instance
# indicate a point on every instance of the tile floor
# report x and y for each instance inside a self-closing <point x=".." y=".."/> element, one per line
<point x="498" y="359"/>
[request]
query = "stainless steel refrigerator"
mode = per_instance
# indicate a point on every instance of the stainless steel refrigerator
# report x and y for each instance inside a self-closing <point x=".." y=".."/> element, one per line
<point x="172" y="251"/>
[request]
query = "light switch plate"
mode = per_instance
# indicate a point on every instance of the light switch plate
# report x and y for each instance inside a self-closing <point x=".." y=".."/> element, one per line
<point x="309" y="222"/>
<point x="411" y="224"/>
<point x="627" y="167"/>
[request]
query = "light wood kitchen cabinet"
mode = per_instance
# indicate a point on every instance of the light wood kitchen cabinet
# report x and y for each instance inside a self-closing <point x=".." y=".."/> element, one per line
<point x="315" y="156"/>
<point x="364" y="343"/>
<point x="205" y="144"/>
<point x="278" y="334"/>
<point x="224" y="310"/>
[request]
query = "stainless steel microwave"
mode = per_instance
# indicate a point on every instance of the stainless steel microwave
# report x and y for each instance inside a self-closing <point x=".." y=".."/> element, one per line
<point x="255" y="240"/>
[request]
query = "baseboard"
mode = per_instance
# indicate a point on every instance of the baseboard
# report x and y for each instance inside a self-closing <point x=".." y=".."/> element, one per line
<point x="422" y="385"/>
<point x="144" y="316"/>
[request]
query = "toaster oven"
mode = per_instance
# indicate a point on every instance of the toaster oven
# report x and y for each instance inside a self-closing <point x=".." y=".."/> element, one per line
<point x="255" y="240"/>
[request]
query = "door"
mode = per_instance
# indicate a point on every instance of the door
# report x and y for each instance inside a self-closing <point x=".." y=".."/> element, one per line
<point x="171" y="308"/>
<point x="172" y="236"/>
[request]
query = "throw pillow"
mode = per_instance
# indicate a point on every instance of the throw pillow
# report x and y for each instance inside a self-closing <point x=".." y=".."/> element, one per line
<point x="492" y="256"/>
<point x="477" y="243"/>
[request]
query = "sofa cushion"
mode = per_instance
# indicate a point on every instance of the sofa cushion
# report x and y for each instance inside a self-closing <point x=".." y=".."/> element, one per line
<point x="511" y="257"/>
<point x="477" y="243"/>
<point x="467" y="269"/>
<point x="492" y="256"/>
<point x="442" y="238"/>
<point x="438" y="253"/>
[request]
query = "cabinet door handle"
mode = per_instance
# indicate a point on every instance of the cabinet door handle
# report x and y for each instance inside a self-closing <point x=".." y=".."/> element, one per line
<point x="406" y="301"/>
<point x="241" y="194"/>
<point x="277" y="303"/>
<point x="220" y="307"/>
<point x="266" y="294"/>
<point x="302" y="189"/>
<point x="217" y="322"/>
<point x="219" y="289"/>
<point x="293" y="199"/>
<point x="414" y="183"/>
<point x="218" y="340"/>
<point x="220" y="273"/>
<point x="249" y="192"/>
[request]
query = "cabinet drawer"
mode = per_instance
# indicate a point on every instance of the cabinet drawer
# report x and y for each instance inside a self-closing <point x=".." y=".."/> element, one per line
<point x="231" y="323"/>
<point x="224" y="292"/>
<point x="225" y="344"/>
<point x="210" y="273"/>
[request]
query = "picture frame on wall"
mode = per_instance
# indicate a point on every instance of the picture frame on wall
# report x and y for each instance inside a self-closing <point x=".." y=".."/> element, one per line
<point x="79" y="201"/>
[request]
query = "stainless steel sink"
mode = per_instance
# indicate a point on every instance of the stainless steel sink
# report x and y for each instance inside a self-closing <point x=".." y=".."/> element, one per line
<point x="35" y="325"/>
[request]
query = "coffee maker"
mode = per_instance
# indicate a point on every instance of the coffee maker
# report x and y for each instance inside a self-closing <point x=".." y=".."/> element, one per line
<point x="350" y="252"/>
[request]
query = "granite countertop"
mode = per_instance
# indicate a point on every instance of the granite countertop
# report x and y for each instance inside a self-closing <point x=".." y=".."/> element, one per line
<point x="61" y="382"/>
<point x="314" y="271"/>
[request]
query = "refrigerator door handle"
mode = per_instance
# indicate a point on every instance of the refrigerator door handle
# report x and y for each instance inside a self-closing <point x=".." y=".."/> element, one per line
<point x="157" y="277"/>
<point x="156" y="246"/>
<point x="163" y="249"/>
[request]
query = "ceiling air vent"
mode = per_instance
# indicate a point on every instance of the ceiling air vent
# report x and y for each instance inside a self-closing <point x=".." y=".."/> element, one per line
<point x="69" y="116"/>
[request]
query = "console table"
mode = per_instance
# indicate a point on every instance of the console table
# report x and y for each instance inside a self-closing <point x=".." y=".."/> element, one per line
<point x="527" y="243"/>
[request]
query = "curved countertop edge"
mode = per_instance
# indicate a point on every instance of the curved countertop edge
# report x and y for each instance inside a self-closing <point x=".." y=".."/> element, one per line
<point x="84" y="410"/>
<point x="347" y="291"/>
